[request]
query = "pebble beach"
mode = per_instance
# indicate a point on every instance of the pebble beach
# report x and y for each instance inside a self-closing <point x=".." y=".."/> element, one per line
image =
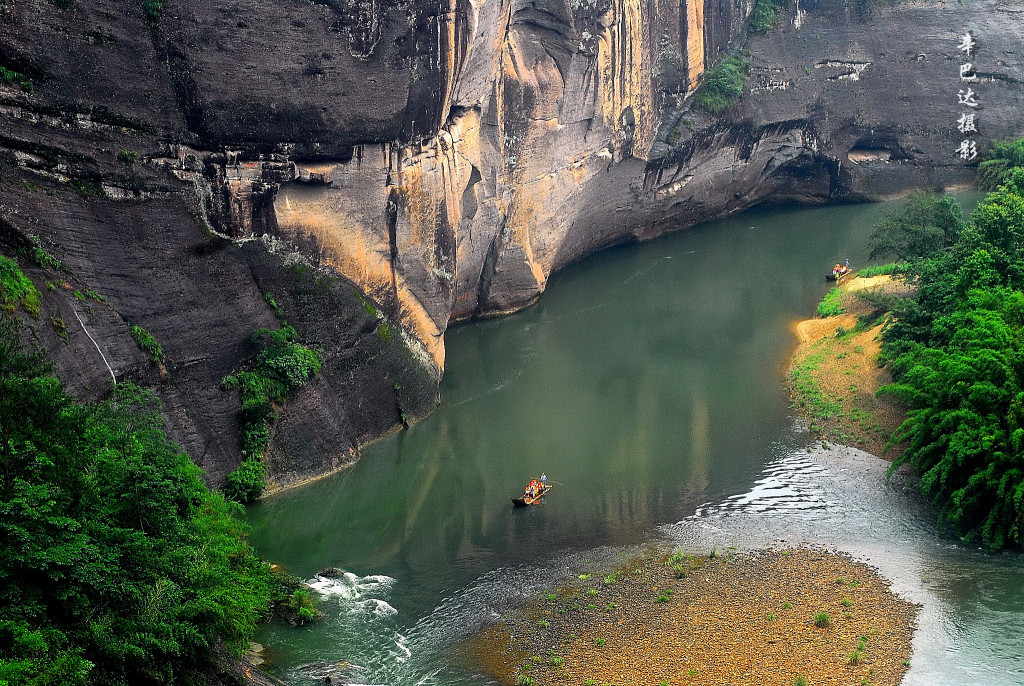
<point x="786" y="617"/>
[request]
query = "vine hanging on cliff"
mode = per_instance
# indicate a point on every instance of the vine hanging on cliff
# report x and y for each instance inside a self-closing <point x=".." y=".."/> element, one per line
<point x="956" y="350"/>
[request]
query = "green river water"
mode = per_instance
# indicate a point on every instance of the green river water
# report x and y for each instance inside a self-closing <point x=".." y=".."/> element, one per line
<point x="646" y="382"/>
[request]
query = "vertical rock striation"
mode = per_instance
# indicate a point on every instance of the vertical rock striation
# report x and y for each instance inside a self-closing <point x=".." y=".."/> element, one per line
<point x="444" y="157"/>
<point x="556" y="132"/>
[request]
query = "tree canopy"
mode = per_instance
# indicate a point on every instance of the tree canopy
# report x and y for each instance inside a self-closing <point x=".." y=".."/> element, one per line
<point x="957" y="352"/>
<point x="117" y="564"/>
<point x="1001" y="158"/>
<point x="923" y="226"/>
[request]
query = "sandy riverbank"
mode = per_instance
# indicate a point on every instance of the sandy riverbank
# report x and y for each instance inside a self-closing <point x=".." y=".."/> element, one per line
<point x="732" y="619"/>
<point x="834" y="375"/>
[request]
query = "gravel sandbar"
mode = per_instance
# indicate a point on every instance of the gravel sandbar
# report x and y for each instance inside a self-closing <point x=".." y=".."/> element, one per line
<point x="733" y="619"/>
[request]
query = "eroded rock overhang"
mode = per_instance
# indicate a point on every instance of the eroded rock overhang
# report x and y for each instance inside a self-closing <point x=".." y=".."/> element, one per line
<point x="565" y="127"/>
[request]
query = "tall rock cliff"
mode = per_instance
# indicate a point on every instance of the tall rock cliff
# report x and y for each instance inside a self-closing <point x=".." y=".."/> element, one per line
<point x="442" y="158"/>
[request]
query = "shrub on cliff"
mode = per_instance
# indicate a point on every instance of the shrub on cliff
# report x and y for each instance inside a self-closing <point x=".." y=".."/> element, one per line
<point x="286" y="361"/>
<point x="17" y="289"/>
<point x="10" y="77"/>
<point x="764" y="14"/>
<point x="117" y="564"/>
<point x="722" y="85"/>
<point x="282" y="366"/>
<point x="147" y="343"/>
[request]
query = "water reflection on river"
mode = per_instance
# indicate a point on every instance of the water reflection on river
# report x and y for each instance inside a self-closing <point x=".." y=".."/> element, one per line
<point x="646" y="384"/>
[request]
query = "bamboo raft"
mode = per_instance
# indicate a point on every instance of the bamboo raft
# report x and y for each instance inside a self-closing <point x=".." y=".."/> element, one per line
<point x="524" y="500"/>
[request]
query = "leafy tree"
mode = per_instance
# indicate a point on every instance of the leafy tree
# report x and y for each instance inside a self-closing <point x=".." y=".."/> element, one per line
<point x="1002" y="157"/>
<point x="999" y="221"/>
<point x="957" y="352"/>
<point x="922" y="227"/>
<point x="117" y="564"/>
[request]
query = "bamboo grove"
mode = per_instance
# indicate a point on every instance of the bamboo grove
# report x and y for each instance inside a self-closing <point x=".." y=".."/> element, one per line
<point x="957" y="351"/>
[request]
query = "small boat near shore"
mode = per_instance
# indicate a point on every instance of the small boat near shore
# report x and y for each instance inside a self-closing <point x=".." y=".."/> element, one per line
<point x="524" y="500"/>
<point x="838" y="274"/>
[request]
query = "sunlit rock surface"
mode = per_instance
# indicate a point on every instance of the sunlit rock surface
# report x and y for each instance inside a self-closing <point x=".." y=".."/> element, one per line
<point x="443" y="158"/>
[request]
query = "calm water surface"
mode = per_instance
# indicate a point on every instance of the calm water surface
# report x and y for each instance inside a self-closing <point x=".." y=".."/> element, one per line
<point x="646" y="383"/>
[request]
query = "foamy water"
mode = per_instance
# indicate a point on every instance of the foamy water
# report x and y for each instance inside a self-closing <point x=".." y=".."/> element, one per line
<point x="837" y="498"/>
<point x="646" y="383"/>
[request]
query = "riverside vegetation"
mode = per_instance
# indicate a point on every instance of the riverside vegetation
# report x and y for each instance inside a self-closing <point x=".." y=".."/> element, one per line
<point x="118" y="565"/>
<point x="954" y="345"/>
<point x="834" y="376"/>
<point x="957" y="355"/>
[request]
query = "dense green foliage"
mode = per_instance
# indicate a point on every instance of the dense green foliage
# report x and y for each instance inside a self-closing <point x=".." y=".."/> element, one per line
<point x="10" y="77"/>
<point x="832" y="304"/>
<point x="147" y="343"/>
<point x="880" y="270"/>
<point x="1000" y="159"/>
<point x="763" y="16"/>
<point x="246" y="483"/>
<point x="117" y="565"/>
<point x="957" y="351"/>
<point x="17" y="289"/>
<point x="282" y="366"/>
<point x="923" y="226"/>
<point x="722" y="85"/>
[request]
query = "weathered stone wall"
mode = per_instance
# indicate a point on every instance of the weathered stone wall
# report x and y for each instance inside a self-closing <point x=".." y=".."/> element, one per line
<point x="564" y="133"/>
<point x="445" y="158"/>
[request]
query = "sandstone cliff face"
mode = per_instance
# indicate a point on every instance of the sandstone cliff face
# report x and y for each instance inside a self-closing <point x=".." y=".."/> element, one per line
<point x="561" y="128"/>
<point x="446" y="158"/>
<point x="136" y="235"/>
<point x="530" y="102"/>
